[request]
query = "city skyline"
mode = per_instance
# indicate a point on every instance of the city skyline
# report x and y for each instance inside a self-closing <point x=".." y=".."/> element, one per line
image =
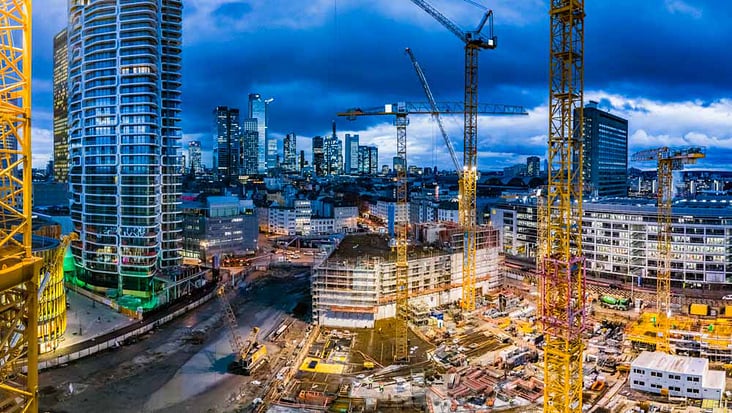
<point x="642" y="74"/>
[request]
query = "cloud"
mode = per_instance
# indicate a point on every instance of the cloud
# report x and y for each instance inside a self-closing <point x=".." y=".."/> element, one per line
<point x="680" y="6"/>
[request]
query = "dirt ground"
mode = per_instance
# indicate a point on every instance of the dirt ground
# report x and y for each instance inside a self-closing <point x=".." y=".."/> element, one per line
<point x="123" y="379"/>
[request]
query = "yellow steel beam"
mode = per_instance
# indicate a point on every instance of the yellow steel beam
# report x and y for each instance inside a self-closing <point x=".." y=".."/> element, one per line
<point x="401" y="227"/>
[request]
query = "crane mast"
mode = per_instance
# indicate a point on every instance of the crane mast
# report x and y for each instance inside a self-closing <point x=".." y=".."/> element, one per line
<point x="562" y="284"/>
<point x="474" y="43"/>
<point x="668" y="160"/>
<point x="19" y="269"/>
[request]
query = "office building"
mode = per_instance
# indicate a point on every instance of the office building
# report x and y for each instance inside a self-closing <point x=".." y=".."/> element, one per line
<point x="532" y="166"/>
<point x="228" y="144"/>
<point x="333" y="154"/>
<point x="220" y="225"/>
<point x="289" y="156"/>
<point x="250" y="146"/>
<point x="398" y="163"/>
<point x="318" y="156"/>
<point x="368" y="160"/>
<point x="351" y="159"/>
<point x="619" y="240"/>
<point x="605" y="162"/>
<point x="258" y="111"/>
<point x="353" y="290"/>
<point x="60" y="108"/>
<point x="124" y="139"/>
<point x="195" y="165"/>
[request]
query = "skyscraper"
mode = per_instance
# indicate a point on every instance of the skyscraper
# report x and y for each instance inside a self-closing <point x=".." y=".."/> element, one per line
<point x="194" y="157"/>
<point x="289" y="156"/>
<point x="227" y="135"/>
<point x="250" y="146"/>
<point x="258" y="111"/>
<point x="60" y="108"/>
<point x="318" y="156"/>
<point x="368" y="160"/>
<point x="333" y="151"/>
<point x="605" y="163"/>
<point x="351" y="158"/>
<point x="398" y="164"/>
<point x="124" y="134"/>
<point x="532" y="166"/>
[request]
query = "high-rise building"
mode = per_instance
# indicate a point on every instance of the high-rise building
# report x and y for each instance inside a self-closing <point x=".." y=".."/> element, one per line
<point x="124" y="139"/>
<point x="258" y="111"/>
<point x="227" y="135"/>
<point x="398" y="163"/>
<point x="333" y="150"/>
<point x="195" y="164"/>
<point x="318" y="156"/>
<point x="368" y="160"/>
<point x="605" y="163"/>
<point x="532" y="166"/>
<point x="289" y="156"/>
<point x="250" y="146"/>
<point x="60" y="108"/>
<point x="351" y="159"/>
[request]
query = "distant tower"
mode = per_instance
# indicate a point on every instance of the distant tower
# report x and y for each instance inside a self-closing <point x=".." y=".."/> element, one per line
<point x="194" y="158"/>
<point x="532" y="166"/>
<point x="318" y="156"/>
<point x="605" y="163"/>
<point x="227" y="134"/>
<point x="250" y="146"/>
<point x="265" y="153"/>
<point x="290" y="153"/>
<point x="333" y="151"/>
<point x="351" y="158"/>
<point x="60" y="108"/>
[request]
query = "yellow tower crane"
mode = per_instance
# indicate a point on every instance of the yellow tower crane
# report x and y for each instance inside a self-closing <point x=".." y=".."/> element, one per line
<point x="474" y="43"/>
<point x="19" y="269"/>
<point x="249" y="354"/>
<point x="401" y="110"/>
<point x="668" y="160"/>
<point x="562" y="282"/>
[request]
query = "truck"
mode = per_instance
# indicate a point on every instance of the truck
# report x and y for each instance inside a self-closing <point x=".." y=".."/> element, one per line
<point x="615" y="303"/>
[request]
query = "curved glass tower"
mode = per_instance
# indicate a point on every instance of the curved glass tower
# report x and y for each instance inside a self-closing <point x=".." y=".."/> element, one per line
<point x="124" y="140"/>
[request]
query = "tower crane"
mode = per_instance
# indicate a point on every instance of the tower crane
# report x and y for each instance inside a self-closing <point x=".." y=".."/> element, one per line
<point x="400" y="110"/>
<point x="668" y="160"/>
<point x="19" y="269"/>
<point x="562" y="285"/>
<point x="474" y="43"/>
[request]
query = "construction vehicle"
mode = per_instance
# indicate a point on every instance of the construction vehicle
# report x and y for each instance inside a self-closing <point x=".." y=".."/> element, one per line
<point x="249" y="354"/>
<point x="474" y="41"/>
<point x="563" y="293"/>
<point x="668" y="160"/>
<point x="615" y="303"/>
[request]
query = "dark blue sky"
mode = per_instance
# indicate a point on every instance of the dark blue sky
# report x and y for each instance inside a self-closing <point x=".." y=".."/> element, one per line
<point x="663" y="64"/>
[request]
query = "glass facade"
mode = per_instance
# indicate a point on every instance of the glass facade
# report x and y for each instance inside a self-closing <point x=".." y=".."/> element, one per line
<point x="124" y="140"/>
<point x="258" y="111"/>
<point x="250" y="142"/>
<point x="195" y="164"/>
<point x="60" y="107"/>
<point x="351" y="158"/>
<point x="227" y="133"/>
<point x="605" y="161"/>
<point x="290" y="153"/>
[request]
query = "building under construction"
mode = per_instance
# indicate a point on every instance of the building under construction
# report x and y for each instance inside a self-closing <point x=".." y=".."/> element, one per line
<point x="356" y="284"/>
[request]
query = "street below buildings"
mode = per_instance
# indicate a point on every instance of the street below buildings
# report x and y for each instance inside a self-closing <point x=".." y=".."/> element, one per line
<point x="165" y="371"/>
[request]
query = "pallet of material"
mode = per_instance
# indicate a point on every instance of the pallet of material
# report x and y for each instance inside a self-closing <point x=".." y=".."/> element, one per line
<point x="461" y="391"/>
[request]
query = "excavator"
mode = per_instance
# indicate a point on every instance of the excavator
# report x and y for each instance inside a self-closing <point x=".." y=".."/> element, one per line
<point x="249" y="354"/>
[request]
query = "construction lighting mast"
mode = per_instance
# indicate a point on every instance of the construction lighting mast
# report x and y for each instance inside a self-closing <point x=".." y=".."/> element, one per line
<point x="562" y="284"/>
<point x="668" y="160"/>
<point x="18" y="268"/>
<point x="474" y="43"/>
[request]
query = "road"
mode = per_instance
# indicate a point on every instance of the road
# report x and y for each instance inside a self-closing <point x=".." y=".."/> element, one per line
<point x="164" y="372"/>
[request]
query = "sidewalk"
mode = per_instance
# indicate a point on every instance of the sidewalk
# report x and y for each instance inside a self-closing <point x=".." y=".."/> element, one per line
<point x="86" y="319"/>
